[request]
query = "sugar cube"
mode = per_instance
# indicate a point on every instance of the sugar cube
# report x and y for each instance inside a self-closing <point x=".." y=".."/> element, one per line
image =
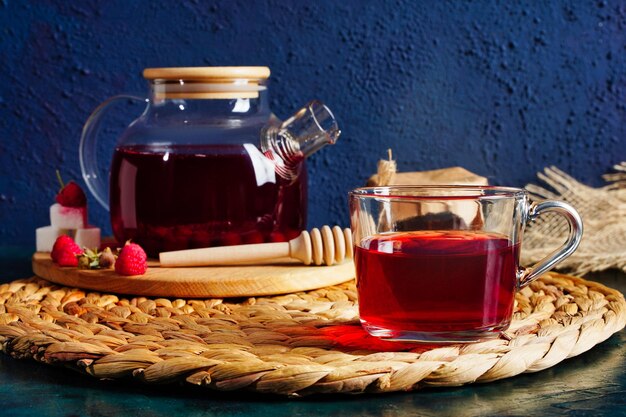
<point x="46" y="236"/>
<point x="88" y="237"/>
<point x="68" y="217"/>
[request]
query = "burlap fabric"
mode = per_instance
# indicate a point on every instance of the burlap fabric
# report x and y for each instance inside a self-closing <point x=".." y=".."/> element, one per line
<point x="603" y="211"/>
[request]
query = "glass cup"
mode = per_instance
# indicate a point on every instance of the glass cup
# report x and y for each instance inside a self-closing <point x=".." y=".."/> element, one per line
<point x="441" y="263"/>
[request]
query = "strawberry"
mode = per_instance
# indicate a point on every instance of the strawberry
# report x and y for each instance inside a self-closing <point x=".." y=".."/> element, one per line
<point x="71" y="195"/>
<point x="61" y="244"/>
<point x="65" y="251"/>
<point x="131" y="260"/>
<point x="68" y="258"/>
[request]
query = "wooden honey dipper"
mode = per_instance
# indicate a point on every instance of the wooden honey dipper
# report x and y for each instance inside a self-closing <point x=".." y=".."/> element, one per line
<point x="326" y="246"/>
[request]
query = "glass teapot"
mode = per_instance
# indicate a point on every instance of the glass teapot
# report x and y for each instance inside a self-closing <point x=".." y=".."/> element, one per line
<point x="207" y="163"/>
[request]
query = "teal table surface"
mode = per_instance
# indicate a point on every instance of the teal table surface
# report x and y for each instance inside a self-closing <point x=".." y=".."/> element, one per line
<point x="590" y="384"/>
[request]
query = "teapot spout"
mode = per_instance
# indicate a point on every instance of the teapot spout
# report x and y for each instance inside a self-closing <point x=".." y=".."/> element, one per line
<point x="304" y="133"/>
<point x="312" y="127"/>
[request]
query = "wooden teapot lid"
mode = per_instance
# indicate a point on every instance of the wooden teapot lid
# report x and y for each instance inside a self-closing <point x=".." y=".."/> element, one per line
<point x="207" y="82"/>
<point x="206" y="73"/>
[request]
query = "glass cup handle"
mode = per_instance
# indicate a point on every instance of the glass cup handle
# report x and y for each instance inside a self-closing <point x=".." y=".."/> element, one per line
<point x="88" y="150"/>
<point x="528" y="275"/>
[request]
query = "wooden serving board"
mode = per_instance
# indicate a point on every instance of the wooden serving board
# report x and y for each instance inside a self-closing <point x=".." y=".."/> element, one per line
<point x="199" y="282"/>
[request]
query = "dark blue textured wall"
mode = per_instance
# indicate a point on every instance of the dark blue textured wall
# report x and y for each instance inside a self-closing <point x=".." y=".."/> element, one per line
<point x="502" y="89"/>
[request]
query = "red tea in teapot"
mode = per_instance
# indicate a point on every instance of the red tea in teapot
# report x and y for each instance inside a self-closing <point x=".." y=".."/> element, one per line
<point x="436" y="281"/>
<point x="186" y="196"/>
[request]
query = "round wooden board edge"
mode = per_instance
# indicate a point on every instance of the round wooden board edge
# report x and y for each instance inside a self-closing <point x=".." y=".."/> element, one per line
<point x="295" y="278"/>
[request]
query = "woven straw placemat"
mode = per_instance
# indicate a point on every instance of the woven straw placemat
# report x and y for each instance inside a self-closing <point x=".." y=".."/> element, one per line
<point x="295" y="344"/>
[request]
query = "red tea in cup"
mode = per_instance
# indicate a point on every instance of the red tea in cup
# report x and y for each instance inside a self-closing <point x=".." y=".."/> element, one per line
<point x="436" y="281"/>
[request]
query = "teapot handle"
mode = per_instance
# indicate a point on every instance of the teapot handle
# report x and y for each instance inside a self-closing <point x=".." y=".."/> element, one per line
<point x="88" y="150"/>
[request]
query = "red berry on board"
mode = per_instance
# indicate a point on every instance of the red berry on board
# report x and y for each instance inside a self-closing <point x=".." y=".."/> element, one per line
<point x="132" y="260"/>
<point x="71" y="196"/>
<point x="68" y="257"/>
<point x="66" y="252"/>
<point x="64" y="245"/>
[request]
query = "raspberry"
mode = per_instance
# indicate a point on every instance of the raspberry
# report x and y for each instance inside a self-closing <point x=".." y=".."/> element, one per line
<point x="65" y="248"/>
<point x="131" y="260"/>
<point x="71" y="196"/>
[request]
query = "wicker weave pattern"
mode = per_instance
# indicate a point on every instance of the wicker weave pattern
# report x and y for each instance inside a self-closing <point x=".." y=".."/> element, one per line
<point x="296" y="344"/>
